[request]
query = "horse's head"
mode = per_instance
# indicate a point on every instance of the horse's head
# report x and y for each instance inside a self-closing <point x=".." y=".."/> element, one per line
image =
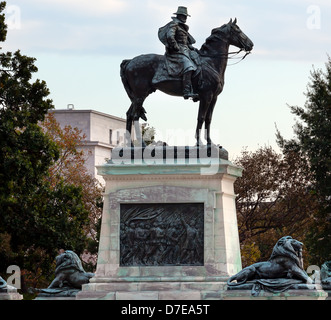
<point x="231" y="33"/>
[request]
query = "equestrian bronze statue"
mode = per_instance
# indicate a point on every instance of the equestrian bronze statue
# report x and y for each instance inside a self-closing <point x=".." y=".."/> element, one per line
<point x="183" y="70"/>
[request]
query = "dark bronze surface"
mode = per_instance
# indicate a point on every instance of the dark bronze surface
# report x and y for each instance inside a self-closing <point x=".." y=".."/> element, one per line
<point x="162" y="234"/>
<point x="182" y="71"/>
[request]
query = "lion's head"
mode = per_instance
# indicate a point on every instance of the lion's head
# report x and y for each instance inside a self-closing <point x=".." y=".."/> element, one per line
<point x="68" y="260"/>
<point x="290" y="248"/>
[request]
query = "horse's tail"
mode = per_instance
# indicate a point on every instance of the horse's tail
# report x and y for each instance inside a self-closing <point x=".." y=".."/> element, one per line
<point x="136" y="109"/>
<point x="124" y="78"/>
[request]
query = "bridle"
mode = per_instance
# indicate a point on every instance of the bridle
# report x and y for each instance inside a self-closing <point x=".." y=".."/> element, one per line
<point x="233" y="53"/>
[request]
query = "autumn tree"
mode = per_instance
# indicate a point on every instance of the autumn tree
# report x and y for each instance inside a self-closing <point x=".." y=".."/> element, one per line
<point x="274" y="199"/>
<point x="71" y="168"/>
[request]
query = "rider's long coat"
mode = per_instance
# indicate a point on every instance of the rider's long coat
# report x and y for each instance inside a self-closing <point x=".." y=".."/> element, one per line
<point x="184" y="60"/>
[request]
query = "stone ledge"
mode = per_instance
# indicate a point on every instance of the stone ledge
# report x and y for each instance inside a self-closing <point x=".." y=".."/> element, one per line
<point x="54" y="298"/>
<point x="264" y="295"/>
<point x="152" y="290"/>
<point x="159" y="279"/>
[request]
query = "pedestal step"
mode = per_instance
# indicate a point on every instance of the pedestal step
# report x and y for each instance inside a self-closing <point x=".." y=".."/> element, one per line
<point x="152" y="291"/>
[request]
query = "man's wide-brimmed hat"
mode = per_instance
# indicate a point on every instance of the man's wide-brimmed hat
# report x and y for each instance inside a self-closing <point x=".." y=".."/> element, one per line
<point x="183" y="11"/>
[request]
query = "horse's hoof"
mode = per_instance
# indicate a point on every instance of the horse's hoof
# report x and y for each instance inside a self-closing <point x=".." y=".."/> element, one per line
<point x="211" y="144"/>
<point x="199" y="144"/>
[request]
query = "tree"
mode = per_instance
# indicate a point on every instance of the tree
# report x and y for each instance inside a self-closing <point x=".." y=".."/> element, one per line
<point x="70" y="169"/>
<point x="312" y="142"/>
<point x="274" y="200"/>
<point x="36" y="218"/>
<point x="3" y="26"/>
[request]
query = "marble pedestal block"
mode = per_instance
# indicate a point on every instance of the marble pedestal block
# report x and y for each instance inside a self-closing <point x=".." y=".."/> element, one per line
<point x="207" y="184"/>
<point x="10" y="293"/>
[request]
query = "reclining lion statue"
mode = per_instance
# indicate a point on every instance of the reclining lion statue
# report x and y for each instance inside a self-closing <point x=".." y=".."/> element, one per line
<point x="326" y="275"/>
<point x="69" y="276"/>
<point x="282" y="271"/>
<point x="69" y="271"/>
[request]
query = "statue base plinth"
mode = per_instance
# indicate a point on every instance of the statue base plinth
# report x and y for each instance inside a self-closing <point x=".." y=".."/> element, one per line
<point x="194" y="195"/>
<point x="154" y="288"/>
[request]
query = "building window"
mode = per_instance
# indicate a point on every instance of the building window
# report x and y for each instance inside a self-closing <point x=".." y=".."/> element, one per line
<point x="118" y="138"/>
<point x="110" y="136"/>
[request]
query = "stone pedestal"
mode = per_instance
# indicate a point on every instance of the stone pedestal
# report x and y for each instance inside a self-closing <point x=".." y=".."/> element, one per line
<point x="10" y="293"/>
<point x="205" y="184"/>
<point x="54" y="298"/>
<point x="287" y="295"/>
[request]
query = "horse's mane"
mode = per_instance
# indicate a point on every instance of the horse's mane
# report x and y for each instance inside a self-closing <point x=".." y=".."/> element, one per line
<point x="215" y="36"/>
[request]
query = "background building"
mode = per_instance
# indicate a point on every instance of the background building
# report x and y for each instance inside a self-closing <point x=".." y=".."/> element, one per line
<point x="103" y="132"/>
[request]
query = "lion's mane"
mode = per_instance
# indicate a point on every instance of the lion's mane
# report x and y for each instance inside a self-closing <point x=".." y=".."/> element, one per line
<point x="284" y="248"/>
<point x="68" y="260"/>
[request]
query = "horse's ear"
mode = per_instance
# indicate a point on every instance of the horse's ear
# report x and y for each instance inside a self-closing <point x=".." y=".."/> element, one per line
<point x="230" y="21"/>
<point x="235" y="21"/>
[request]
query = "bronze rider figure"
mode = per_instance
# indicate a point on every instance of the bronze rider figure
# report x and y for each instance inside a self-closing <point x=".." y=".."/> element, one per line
<point x="182" y="58"/>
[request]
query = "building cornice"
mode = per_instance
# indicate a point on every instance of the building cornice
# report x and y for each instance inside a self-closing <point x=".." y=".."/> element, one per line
<point x="88" y="111"/>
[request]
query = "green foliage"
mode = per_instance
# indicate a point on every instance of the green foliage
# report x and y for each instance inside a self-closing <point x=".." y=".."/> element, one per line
<point x="36" y="218"/>
<point x="273" y="200"/>
<point x="3" y="26"/>
<point x="148" y="134"/>
<point x="313" y="142"/>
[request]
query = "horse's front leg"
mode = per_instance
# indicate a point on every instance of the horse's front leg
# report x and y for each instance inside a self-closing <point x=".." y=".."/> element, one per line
<point x="209" y="116"/>
<point x="198" y="133"/>
<point x="203" y="107"/>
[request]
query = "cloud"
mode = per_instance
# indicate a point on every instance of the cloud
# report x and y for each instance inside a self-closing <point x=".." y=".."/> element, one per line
<point x="129" y="27"/>
<point x="92" y="8"/>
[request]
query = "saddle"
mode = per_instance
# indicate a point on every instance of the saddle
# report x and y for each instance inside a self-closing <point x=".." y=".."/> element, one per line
<point x="162" y="72"/>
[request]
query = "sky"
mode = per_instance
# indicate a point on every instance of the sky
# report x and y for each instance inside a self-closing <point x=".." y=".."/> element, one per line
<point x="80" y="44"/>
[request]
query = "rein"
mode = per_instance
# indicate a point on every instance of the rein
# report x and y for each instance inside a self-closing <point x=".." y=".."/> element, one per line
<point x="241" y="59"/>
<point x="222" y="55"/>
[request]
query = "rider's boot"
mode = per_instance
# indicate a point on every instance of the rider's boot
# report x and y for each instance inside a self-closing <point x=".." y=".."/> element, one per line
<point x="187" y="84"/>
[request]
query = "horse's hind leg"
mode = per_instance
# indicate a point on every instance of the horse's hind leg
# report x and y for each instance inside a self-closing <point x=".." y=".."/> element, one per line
<point x="135" y="112"/>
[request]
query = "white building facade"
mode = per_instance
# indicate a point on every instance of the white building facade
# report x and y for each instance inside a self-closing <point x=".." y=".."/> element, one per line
<point x="103" y="132"/>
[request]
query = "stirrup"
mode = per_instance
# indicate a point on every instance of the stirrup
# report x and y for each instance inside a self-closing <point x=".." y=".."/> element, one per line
<point x="194" y="96"/>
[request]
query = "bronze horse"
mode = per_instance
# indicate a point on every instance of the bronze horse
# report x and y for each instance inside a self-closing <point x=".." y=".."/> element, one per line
<point x="137" y="75"/>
